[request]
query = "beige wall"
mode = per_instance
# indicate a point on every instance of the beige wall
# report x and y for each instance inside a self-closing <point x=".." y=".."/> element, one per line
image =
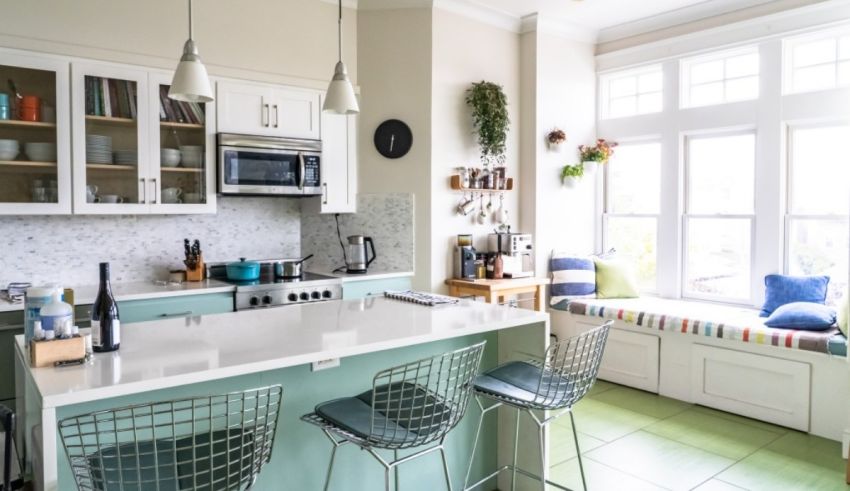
<point x="466" y="51"/>
<point x="272" y="40"/>
<point x="395" y="67"/>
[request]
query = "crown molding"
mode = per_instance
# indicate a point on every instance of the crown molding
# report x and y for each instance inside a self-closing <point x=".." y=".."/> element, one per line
<point x="481" y="13"/>
<point x="567" y="30"/>
<point x="349" y="4"/>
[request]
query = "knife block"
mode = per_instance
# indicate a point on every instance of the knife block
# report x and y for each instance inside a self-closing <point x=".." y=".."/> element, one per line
<point x="196" y="274"/>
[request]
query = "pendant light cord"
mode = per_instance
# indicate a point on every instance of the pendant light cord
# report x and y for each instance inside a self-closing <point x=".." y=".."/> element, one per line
<point x="191" y="37"/>
<point x="339" y="30"/>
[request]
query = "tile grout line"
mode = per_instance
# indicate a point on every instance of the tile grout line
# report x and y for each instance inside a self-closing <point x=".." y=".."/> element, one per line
<point x="736" y="462"/>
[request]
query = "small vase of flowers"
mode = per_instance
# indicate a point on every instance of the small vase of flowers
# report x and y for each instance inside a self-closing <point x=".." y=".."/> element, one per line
<point x="599" y="153"/>
<point x="571" y="175"/>
<point x="555" y="139"/>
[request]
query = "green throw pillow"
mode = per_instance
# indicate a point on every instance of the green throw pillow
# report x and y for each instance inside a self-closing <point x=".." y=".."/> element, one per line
<point x="614" y="280"/>
<point x="844" y="312"/>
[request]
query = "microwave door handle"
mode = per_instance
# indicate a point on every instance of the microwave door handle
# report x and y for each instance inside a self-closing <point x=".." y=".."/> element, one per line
<point x="302" y="169"/>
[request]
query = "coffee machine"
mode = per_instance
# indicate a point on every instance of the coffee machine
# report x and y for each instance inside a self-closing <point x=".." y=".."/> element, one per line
<point x="464" y="262"/>
<point x="517" y="253"/>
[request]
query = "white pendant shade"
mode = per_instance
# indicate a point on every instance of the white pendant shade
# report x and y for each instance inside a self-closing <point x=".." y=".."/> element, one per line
<point x="340" y="98"/>
<point x="191" y="82"/>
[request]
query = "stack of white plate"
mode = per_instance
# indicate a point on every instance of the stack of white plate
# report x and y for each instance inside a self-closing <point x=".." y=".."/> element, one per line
<point x="126" y="157"/>
<point x="9" y="149"/>
<point x="98" y="149"/>
<point x="41" y="151"/>
<point x="191" y="155"/>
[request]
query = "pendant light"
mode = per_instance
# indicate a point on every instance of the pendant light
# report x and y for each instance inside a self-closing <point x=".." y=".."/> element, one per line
<point x="340" y="98"/>
<point x="191" y="82"/>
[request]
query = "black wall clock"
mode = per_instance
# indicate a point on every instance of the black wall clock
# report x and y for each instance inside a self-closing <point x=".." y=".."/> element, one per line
<point x="393" y="139"/>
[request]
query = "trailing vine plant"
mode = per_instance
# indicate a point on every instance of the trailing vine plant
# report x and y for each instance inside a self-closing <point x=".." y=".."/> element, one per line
<point x="490" y="120"/>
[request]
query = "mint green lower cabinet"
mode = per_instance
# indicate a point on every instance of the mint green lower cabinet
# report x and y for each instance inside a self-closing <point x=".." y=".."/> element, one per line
<point x="301" y="451"/>
<point x="179" y="306"/>
<point x="367" y="288"/>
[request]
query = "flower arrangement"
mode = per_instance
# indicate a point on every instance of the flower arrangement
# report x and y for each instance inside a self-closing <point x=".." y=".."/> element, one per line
<point x="600" y="153"/>
<point x="556" y="137"/>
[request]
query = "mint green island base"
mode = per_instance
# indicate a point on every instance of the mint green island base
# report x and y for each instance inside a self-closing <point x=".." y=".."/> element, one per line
<point x="301" y="452"/>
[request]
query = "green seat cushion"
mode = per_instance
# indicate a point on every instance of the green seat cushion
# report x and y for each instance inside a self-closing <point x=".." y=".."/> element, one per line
<point x="614" y="280"/>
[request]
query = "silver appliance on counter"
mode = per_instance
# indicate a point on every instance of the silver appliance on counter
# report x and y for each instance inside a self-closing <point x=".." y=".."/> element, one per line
<point x="517" y="251"/>
<point x="269" y="166"/>
<point x="271" y="290"/>
<point x="358" y="254"/>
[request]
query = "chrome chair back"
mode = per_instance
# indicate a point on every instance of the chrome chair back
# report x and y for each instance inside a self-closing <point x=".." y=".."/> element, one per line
<point x="213" y="442"/>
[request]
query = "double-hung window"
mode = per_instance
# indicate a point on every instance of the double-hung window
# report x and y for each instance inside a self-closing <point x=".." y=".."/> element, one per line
<point x="631" y="92"/>
<point x="817" y="63"/>
<point x="818" y="205"/>
<point x="727" y="76"/>
<point x="632" y="205"/>
<point x="719" y="216"/>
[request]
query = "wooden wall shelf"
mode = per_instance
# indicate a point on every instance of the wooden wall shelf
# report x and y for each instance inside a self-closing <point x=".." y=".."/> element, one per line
<point x="455" y="184"/>
<point x="110" y="120"/>
<point x="14" y="123"/>
<point x="27" y="163"/>
<point x="193" y="170"/>
<point x="178" y="126"/>
<point x="117" y="167"/>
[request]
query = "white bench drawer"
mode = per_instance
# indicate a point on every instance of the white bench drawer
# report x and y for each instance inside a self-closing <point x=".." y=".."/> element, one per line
<point x="630" y="359"/>
<point x="760" y="387"/>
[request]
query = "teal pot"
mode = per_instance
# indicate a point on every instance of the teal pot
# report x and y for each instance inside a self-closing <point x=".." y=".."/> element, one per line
<point x="243" y="270"/>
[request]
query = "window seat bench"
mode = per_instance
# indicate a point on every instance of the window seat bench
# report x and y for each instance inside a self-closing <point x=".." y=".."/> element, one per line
<point x="722" y="357"/>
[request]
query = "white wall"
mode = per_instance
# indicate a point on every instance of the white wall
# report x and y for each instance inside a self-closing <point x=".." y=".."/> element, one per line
<point x="395" y="63"/>
<point x="466" y="51"/>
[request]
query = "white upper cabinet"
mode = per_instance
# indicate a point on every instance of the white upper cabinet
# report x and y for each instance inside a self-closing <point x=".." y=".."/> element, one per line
<point x="269" y="110"/>
<point x="339" y="166"/>
<point x="35" y="135"/>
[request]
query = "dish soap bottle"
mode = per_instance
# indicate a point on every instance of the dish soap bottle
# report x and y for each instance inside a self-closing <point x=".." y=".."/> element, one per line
<point x="56" y="316"/>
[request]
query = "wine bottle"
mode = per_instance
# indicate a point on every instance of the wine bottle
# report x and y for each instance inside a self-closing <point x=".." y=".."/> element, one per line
<point x="105" y="325"/>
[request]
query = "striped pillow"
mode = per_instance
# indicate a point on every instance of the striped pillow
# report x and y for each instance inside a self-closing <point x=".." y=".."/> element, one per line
<point x="572" y="277"/>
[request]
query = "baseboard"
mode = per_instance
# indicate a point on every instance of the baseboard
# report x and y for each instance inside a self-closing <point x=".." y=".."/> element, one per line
<point x="845" y="444"/>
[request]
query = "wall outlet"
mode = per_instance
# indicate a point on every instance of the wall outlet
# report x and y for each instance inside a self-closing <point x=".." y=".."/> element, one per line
<point x="325" y="364"/>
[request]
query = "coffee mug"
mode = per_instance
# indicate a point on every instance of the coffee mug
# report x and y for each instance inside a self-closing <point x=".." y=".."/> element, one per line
<point x="192" y="198"/>
<point x="91" y="193"/>
<point x="171" y="195"/>
<point x="30" y="109"/>
<point x="110" y="198"/>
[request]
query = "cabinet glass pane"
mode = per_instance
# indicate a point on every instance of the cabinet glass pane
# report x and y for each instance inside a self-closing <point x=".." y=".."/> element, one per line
<point x="182" y="150"/>
<point x="28" y="170"/>
<point x="112" y="156"/>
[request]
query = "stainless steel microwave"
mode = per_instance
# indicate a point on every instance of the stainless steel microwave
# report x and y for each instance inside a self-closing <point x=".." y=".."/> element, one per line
<point x="268" y="166"/>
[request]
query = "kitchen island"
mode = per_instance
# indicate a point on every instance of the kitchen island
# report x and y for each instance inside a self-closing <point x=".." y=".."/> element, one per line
<point x="182" y="357"/>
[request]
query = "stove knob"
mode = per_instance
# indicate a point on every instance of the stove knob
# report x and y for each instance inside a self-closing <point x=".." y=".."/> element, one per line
<point x="327" y="294"/>
<point x="267" y="299"/>
<point x="315" y="295"/>
<point x="293" y="297"/>
<point x="254" y="301"/>
<point x="305" y="296"/>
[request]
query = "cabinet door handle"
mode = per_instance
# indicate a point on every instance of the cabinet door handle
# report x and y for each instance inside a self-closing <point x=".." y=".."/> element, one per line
<point x="275" y="116"/>
<point x="154" y="193"/>
<point x="144" y="184"/>
<point x="324" y="193"/>
<point x="264" y="117"/>
<point x="188" y="313"/>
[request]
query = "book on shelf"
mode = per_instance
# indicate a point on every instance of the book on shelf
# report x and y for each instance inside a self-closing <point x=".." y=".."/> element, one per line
<point x="172" y="111"/>
<point x="110" y="97"/>
<point x="104" y="96"/>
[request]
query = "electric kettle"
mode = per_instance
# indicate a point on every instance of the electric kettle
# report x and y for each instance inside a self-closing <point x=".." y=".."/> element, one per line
<point x="358" y="256"/>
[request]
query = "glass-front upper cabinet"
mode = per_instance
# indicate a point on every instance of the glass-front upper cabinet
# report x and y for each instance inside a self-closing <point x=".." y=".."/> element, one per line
<point x="182" y="139"/>
<point x="35" y="141"/>
<point x="110" y="128"/>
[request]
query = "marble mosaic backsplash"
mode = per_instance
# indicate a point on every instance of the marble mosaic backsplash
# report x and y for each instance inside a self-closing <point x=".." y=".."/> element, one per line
<point x="66" y="249"/>
<point x="387" y="218"/>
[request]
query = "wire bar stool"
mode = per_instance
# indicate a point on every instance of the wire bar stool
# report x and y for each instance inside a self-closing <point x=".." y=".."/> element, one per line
<point x="409" y="406"/>
<point x="556" y="383"/>
<point x="218" y="442"/>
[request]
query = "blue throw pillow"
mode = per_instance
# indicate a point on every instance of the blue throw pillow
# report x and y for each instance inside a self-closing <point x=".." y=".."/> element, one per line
<point x="802" y="315"/>
<point x="782" y="289"/>
<point x="572" y="277"/>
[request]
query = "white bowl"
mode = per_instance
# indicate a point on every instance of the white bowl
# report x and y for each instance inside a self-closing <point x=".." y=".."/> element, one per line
<point x="9" y="144"/>
<point x="169" y="160"/>
<point x="8" y="154"/>
<point x="40" y="152"/>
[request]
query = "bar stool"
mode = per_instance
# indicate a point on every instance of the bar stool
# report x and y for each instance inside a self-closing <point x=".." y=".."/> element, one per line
<point x="214" y="442"/>
<point x="556" y="383"/>
<point x="409" y="406"/>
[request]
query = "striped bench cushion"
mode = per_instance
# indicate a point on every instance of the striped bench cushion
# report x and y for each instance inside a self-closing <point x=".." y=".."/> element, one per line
<point x="572" y="277"/>
<point x="731" y="323"/>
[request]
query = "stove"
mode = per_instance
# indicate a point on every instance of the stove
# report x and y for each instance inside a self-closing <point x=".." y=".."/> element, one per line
<point x="271" y="291"/>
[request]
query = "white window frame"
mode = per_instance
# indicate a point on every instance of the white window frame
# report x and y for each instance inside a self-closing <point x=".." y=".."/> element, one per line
<point x="687" y="216"/>
<point x="604" y="89"/>
<point x="789" y="216"/>
<point x="788" y="59"/>
<point x="606" y="200"/>
<point x="685" y="75"/>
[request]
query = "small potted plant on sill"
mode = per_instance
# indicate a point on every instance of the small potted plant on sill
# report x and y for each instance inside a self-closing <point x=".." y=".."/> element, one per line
<point x="596" y="154"/>
<point x="555" y="138"/>
<point x="572" y="174"/>
<point x="490" y="120"/>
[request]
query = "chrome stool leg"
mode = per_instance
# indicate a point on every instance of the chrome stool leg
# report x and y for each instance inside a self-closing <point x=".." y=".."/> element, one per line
<point x="516" y="451"/>
<point x="484" y="412"/>
<point x="541" y="428"/>
<point x="336" y="445"/>
<point x="578" y="450"/>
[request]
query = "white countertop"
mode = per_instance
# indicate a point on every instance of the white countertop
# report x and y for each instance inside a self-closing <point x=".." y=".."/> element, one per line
<point x="369" y="275"/>
<point x="138" y="291"/>
<point x="172" y="352"/>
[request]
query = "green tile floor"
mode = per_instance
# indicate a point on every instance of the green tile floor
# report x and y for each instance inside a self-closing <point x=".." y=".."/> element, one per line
<point x="634" y="440"/>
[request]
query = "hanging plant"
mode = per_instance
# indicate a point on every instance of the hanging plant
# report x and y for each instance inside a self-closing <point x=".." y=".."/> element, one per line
<point x="490" y="120"/>
<point x="570" y="174"/>
<point x="556" y="136"/>
<point x="599" y="153"/>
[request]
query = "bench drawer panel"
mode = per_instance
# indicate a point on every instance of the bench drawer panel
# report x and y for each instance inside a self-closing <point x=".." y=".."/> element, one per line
<point x="630" y="359"/>
<point x="756" y="386"/>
